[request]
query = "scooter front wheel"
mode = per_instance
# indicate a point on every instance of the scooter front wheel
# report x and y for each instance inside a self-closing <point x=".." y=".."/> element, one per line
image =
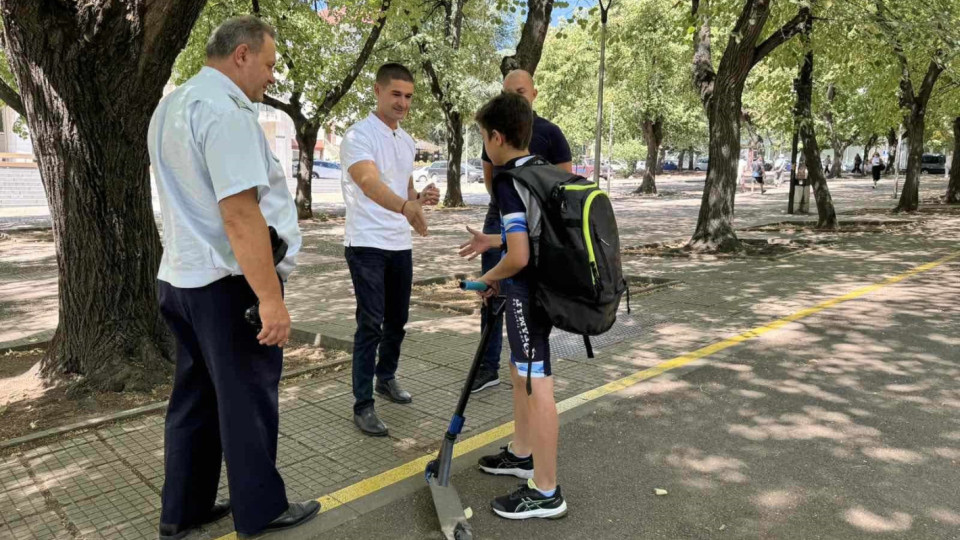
<point x="462" y="533"/>
<point x="432" y="469"/>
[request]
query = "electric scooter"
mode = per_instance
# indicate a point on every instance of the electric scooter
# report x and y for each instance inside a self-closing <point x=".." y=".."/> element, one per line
<point x="453" y="521"/>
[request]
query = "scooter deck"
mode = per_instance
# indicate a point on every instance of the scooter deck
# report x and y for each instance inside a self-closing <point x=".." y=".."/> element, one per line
<point x="446" y="500"/>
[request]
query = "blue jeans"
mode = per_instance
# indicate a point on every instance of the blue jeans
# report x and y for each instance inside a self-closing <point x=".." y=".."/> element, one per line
<point x="491" y="356"/>
<point x="382" y="281"/>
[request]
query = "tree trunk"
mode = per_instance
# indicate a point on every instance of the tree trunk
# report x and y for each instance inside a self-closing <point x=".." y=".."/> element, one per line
<point x="661" y="158"/>
<point x="757" y="146"/>
<point x="652" y="136"/>
<point x="836" y="168"/>
<point x="453" y="196"/>
<point x="690" y="163"/>
<point x="721" y="92"/>
<point x="90" y="77"/>
<point x="953" y="189"/>
<point x="826" y="214"/>
<point x="892" y="154"/>
<point x="871" y="142"/>
<point x="917" y="103"/>
<point x="910" y="196"/>
<point x="680" y="160"/>
<point x="306" y="135"/>
<point x="714" y="230"/>
<point x="532" y="36"/>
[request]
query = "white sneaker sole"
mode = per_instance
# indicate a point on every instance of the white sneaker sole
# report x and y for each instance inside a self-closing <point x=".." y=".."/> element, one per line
<point x="519" y="473"/>
<point x="548" y="513"/>
<point x="490" y="384"/>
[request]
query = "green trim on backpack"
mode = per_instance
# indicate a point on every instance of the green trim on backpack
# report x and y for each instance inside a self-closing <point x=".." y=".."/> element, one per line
<point x="587" y="241"/>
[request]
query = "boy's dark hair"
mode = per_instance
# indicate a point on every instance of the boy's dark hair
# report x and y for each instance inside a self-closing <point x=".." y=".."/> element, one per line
<point x="393" y="71"/>
<point x="511" y="116"/>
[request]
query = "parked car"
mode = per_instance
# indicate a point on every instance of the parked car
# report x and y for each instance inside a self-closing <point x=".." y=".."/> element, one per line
<point x="701" y="164"/>
<point x="322" y="169"/>
<point x="437" y="172"/>
<point x="586" y="170"/>
<point x="670" y="166"/>
<point x="933" y="164"/>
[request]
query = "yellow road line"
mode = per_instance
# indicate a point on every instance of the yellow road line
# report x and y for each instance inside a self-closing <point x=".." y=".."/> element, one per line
<point x="417" y="466"/>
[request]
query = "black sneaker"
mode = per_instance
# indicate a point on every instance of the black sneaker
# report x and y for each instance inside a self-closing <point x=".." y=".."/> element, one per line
<point x="505" y="463"/>
<point x="486" y="378"/>
<point x="527" y="502"/>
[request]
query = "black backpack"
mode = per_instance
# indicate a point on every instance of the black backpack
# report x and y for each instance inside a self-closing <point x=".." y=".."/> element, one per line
<point x="576" y="259"/>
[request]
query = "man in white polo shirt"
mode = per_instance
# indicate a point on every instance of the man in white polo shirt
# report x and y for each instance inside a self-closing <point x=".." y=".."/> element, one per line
<point x="221" y="192"/>
<point x="377" y="159"/>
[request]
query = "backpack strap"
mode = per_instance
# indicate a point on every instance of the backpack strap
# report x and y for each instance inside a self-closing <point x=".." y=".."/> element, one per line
<point x="587" y="345"/>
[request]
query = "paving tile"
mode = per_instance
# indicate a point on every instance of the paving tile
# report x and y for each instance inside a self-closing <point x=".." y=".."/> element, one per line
<point x="371" y="455"/>
<point x="291" y="451"/>
<point x="316" y="391"/>
<point x="72" y="485"/>
<point x="312" y="478"/>
<point x="53" y="468"/>
<point x="69" y="441"/>
<point x="319" y="428"/>
<point x="141" y="445"/>
<point x="19" y="503"/>
<point x="13" y="475"/>
<point x="144" y="528"/>
<point x="438" y="402"/>
<point x="45" y="526"/>
<point x="99" y="516"/>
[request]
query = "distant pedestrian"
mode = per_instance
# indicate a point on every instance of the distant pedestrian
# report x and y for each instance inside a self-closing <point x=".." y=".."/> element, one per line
<point x="857" y="165"/>
<point x="758" y="174"/>
<point x="876" y="166"/>
<point x="779" y="166"/>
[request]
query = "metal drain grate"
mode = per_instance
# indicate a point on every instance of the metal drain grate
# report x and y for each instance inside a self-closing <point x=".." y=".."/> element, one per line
<point x="628" y="327"/>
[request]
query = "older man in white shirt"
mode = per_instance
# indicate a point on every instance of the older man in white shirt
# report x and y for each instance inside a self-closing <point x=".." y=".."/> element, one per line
<point x="377" y="158"/>
<point x="221" y="192"/>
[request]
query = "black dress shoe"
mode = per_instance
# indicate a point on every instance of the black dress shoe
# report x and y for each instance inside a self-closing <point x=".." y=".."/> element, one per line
<point x="392" y="391"/>
<point x="295" y="515"/>
<point x="369" y="423"/>
<point x="175" y="532"/>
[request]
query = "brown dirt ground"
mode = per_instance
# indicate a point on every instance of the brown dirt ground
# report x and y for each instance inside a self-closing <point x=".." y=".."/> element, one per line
<point x="28" y="406"/>
<point x="846" y="226"/>
<point x="445" y="297"/>
<point x="751" y="248"/>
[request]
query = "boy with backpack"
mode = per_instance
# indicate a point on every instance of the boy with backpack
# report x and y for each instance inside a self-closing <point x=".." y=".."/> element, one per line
<point x="506" y="124"/>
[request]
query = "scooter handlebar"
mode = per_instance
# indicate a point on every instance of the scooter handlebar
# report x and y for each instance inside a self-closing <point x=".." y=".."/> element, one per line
<point x="478" y="286"/>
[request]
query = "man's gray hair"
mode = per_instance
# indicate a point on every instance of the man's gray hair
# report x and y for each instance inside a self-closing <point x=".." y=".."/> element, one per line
<point x="235" y="31"/>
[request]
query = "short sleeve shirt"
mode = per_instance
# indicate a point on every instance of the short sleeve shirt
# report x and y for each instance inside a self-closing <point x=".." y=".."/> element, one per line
<point x="206" y="144"/>
<point x="393" y="151"/>
<point x="518" y="211"/>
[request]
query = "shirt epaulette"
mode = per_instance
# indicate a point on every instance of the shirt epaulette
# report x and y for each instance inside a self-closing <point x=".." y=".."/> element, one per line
<point x="240" y="103"/>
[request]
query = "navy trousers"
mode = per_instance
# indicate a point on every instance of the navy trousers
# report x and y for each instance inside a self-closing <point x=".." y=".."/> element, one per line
<point x="223" y="405"/>
<point x="491" y="356"/>
<point x="381" y="280"/>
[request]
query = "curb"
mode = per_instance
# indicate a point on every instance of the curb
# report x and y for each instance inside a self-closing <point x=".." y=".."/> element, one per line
<point x="40" y="340"/>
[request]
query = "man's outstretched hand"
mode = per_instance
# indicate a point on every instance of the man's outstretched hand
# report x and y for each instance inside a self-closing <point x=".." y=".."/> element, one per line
<point x="430" y="195"/>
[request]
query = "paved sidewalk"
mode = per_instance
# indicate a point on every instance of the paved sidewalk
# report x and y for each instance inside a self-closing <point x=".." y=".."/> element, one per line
<point x="105" y="483"/>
